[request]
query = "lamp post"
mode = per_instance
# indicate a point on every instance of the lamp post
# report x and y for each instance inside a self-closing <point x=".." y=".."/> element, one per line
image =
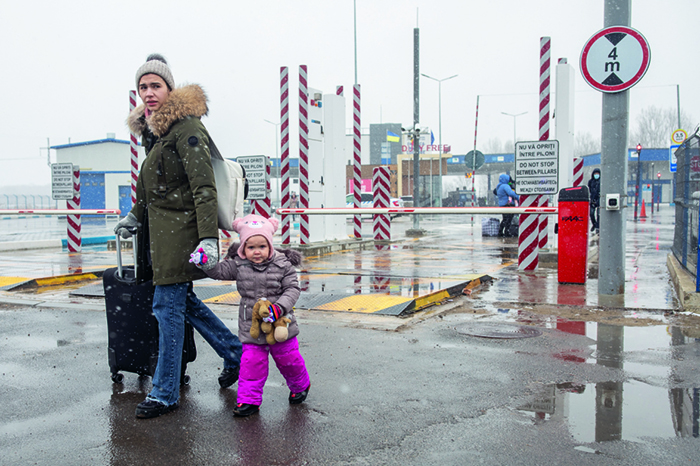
<point x="514" y="117"/>
<point x="277" y="159"/>
<point x="439" y="81"/>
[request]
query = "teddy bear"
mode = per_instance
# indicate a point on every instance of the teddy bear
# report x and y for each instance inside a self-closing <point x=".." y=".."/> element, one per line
<point x="275" y="331"/>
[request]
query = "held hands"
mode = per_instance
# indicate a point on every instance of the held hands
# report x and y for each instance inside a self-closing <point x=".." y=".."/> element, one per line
<point x="275" y="313"/>
<point x="126" y="226"/>
<point x="206" y="254"/>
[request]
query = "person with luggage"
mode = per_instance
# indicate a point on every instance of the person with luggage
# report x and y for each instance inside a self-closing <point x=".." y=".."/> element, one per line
<point x="506" y="198"/>
<point x="594" y="190"/>
<point x="262" y="272"/>
<point x="176" y="212"/>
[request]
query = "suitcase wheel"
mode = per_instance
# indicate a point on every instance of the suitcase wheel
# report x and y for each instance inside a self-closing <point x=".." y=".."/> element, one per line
<point x="117" y="378"/>
<point x="185" y="380"/>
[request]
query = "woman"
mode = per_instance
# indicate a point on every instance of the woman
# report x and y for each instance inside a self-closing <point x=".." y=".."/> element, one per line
<point x="177" y="207"/>
<point x="505" y="199"/>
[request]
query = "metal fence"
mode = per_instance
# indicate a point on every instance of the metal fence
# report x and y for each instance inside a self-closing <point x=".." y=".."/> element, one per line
<point x="687" y="200"/>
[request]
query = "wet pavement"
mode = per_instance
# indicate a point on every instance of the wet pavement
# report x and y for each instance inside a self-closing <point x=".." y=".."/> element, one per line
<point x="523" y="370"/>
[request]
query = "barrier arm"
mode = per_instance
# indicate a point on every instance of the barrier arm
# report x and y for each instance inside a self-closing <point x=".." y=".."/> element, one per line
<point x="60" y="211"/>
<point x="421" y="210"/>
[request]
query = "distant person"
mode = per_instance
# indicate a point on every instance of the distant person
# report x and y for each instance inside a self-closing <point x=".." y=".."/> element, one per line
<point x="175" y="212"/>
<point x="293" y="204"/>
<point x="594" y="189"/>
<point x="506" y="198"/>
<point x="261" y="272"/>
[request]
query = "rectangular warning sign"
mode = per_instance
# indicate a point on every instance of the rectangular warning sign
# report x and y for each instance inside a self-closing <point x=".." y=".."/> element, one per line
<point x="537" y="167"/>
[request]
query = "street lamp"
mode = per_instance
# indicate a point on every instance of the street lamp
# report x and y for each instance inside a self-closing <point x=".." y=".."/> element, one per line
<point x="439" y="81"/>
<point x="277" y="158"/>
<point x="514" y="117"/>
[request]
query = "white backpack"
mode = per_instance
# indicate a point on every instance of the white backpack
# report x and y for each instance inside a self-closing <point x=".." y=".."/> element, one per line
<point x="231" y="187"/>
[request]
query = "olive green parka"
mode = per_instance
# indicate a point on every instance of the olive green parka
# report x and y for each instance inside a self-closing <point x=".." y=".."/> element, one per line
<point x="176" y="192"/>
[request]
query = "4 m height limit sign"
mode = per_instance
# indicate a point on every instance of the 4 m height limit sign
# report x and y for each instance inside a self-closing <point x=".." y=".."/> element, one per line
<point x="537" y="167"/>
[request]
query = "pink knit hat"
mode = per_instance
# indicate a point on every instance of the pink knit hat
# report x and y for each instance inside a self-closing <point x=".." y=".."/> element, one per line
<point x="252" y="225"/>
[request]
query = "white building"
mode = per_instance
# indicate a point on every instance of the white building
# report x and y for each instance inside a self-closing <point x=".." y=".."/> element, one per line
<point x="105" y="172"/>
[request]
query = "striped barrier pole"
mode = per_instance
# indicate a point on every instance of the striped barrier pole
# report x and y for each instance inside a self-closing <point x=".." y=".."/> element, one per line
<point x="303" y="153"/>
<point x="357" y="166"/>
<point x="381" y="186"/>
<point x="284" y="149"/>
<point x="133" y="146"/>
<point x="476" y="125"/>
<point x="578" y="171"/>
<point x="545" y="91"/>
<point x="339" y="91"/>
<point x="74" y="236"/>
<point x="267" y="202"/>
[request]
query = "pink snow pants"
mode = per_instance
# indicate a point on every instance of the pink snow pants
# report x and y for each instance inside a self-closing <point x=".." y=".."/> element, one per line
<point x="254" y="369"/>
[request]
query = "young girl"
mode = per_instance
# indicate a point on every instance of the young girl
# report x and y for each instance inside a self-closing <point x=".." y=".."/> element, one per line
<point x="262" y="272"/>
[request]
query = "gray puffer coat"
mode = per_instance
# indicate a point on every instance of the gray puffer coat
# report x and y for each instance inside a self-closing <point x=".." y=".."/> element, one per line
<point x="275" y="279"/>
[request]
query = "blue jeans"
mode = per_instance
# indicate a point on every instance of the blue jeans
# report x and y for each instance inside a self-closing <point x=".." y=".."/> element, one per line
<point x="172" y="306"/>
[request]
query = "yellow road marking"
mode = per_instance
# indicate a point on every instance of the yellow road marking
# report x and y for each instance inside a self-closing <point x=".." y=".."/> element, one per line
<point x="232" y="298"/>
<point x="366" y="304"/>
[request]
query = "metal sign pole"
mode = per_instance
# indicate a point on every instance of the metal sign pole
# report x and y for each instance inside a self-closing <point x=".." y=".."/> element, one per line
<point x="613" y="164"/>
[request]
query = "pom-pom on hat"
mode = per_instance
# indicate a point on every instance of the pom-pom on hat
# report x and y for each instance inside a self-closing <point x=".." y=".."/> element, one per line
<point x="156" y="64"/>
<point x="252" y="225"/>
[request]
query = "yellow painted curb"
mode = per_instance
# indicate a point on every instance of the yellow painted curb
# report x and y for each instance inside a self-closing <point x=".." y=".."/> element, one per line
<point x="63" y="279"/>
<point x="5" y="281"/>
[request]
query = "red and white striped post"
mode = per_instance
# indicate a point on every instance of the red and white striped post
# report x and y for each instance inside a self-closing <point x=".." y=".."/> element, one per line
<point x="530" y="229"/>
<point x="357" y="167"/>
<point x="133" y="145"/>
<point x="303" y="153"/>
<point x="545" y="46"/>
<point x="381" y="187"/>
<point x="578" y="171"/>
<point x="74" y="236"/>
<point x="339" y="91"/>
<point x="284" y="150"/>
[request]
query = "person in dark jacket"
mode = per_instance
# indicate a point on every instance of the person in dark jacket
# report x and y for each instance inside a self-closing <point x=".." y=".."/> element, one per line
<point x="506" y="196"/>
<point x="261" y="272"/>
<point x="176" y="208"/>
<point x="594" y="190"/>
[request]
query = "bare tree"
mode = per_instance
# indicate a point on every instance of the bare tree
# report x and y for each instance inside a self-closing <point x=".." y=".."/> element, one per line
<point x="492" y="146"/>
<point x="655" y="125"/>
<point x="585" y="144"/>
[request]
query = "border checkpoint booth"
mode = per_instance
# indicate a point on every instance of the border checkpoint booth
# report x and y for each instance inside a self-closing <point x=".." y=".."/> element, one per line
<point x="327" y="141"/>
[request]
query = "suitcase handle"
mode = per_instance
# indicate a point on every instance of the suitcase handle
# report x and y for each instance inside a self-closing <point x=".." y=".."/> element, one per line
<point x="134" y="241"/>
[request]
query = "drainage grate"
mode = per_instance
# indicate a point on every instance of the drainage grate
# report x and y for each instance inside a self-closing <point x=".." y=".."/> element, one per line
<point x="495" y="330"/>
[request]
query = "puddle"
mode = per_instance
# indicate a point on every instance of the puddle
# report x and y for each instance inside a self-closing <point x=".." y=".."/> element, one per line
<point x="618" y="411"/>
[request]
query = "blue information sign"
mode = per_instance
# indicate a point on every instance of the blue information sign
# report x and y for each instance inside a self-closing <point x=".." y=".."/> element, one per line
<point x="672" y="157"/>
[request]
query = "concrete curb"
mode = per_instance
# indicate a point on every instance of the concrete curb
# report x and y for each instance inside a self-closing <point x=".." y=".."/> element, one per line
<point x="684" y="284"/>
<point x="25" y="245"/>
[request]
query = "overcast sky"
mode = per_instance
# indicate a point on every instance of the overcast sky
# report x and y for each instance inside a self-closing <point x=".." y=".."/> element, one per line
<point x="67" y="67"/>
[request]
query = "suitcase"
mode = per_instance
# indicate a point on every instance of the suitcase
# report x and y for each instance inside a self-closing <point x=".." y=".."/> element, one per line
<point x="489" y="226"/>
<point x="514" y="227"/>
<point x="131" y="326"/>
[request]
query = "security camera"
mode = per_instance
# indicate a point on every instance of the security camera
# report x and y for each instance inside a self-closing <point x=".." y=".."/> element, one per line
<point x="612" y="202"/>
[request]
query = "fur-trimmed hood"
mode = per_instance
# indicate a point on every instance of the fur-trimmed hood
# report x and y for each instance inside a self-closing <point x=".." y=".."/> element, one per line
<point x="189" y="100"/>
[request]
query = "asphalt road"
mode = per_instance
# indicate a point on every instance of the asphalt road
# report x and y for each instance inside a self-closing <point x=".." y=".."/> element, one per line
<point x="384" y="390"/>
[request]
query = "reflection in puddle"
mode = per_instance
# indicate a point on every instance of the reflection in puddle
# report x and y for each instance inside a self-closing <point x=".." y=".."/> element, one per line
<point x="638" y="406"/>
<point x="618" y="411"/>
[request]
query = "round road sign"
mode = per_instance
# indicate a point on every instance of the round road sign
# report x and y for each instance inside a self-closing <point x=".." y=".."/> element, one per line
<point x="474" y="160"/>
<point x="679" y="136"/>
<point x="615" y="59"/>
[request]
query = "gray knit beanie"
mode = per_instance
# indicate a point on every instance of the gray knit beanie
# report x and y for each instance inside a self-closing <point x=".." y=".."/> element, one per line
<point x="156" y="64"/>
